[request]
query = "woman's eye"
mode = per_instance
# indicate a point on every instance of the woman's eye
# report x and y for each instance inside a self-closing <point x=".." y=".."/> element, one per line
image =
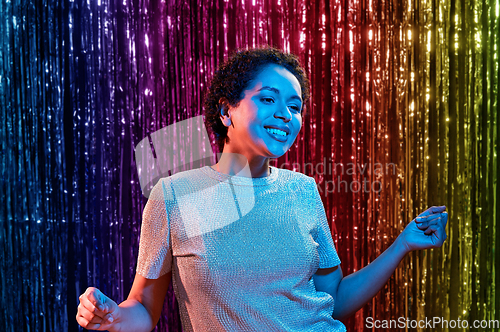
<point x="267" y="100"/>
<point x="295" y="108"/>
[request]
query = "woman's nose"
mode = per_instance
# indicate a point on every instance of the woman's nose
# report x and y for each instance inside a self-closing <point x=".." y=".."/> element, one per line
<point x="284" y="113"/>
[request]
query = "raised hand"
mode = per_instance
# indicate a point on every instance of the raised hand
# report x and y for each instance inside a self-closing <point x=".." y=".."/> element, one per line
<point x="96" y="311"/>
<point x="428" y="230"/>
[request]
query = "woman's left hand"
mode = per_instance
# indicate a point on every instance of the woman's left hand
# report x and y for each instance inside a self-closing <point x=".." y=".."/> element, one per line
<point x="428" y="230"/>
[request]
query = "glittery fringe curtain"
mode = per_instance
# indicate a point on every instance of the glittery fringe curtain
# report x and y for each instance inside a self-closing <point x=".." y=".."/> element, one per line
<point x="404" y="114"/>
<point x="34" y="215"/>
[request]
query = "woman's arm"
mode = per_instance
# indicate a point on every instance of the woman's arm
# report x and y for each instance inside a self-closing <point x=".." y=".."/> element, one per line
<point x="352" y="292"/>
<point x="140" y="312"/>
<point x="142" y="309"/>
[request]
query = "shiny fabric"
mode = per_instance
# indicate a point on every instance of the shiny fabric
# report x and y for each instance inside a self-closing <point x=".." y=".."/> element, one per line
<point x="242" y="251"/>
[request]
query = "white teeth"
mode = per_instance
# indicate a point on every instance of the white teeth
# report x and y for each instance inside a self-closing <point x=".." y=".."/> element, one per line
<point x="276" y="131"/>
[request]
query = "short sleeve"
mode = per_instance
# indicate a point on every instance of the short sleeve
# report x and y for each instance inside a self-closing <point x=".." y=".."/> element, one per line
<point x="328" y="256"/>
<point x="155" y="252"/>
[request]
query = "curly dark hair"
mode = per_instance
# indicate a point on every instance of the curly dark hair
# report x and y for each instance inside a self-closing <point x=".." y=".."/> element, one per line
<point x="234" y="76"/>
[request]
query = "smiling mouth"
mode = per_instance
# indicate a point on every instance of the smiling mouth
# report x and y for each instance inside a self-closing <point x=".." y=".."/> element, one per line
<point x="277" y="134"/>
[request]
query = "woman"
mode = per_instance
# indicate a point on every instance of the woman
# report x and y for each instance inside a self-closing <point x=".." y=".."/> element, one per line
<point x="247" y="245"/>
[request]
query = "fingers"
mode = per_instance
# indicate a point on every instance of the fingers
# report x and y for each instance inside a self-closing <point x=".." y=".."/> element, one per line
<point x="420" y="220"/>
<point x="424" y="222"/>
<point x="91" y="307"/>
<point x="438" y="233"/>
<point x="86" y="324"/>
<point x="85" y="318"/>
<point x="96" y="297"/>
<point x="444" y="218"/>
<point x="432" y="210"/>
<point x="88" y="315"/>
<point x="89" y="320"/>
<point x="92" y="310"/>
<point x="101" y="301"/>
<point x="94" y="324"/>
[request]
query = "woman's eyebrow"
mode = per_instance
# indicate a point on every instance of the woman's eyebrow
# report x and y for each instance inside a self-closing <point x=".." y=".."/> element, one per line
<point x="278" y="92"/>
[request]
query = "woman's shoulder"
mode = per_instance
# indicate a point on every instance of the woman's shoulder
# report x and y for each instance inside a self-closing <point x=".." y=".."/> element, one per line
<point x="182" y="176"/>
<point x="297" y="182"/>
<point x="293" y="175"/>
<point x="187" y="179"/>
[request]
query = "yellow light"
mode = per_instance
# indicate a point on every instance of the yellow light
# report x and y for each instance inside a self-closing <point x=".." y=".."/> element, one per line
<point x="429" y="41"/>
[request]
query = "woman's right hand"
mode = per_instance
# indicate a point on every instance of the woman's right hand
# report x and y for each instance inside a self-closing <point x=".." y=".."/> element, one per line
<point x="96" y="311"/>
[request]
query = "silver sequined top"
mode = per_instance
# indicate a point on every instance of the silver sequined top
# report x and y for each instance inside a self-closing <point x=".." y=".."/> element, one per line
<point x="242" y="250"/>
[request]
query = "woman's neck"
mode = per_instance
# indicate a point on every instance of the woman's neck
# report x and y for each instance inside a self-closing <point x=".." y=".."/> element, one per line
<point x="237" y="164"/>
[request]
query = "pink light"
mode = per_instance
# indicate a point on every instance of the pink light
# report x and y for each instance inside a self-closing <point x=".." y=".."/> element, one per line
<point x="351" y="43"/>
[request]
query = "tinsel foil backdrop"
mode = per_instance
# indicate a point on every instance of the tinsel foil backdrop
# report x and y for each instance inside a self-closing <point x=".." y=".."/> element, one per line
<point x="406" y="91"/>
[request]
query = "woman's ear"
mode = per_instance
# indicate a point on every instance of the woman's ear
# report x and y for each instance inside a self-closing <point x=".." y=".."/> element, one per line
<point x="225" y="115"/>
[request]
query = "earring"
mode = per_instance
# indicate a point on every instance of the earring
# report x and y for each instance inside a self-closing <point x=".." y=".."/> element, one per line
<point x="226" y="121"/>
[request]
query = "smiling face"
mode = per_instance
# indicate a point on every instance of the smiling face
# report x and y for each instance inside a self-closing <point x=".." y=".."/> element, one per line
<point x="268" y="118"/>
